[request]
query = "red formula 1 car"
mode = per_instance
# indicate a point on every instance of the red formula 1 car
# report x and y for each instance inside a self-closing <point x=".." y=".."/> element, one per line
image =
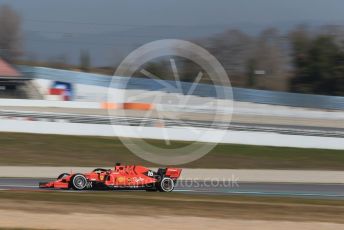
<point x="120" y="177"/>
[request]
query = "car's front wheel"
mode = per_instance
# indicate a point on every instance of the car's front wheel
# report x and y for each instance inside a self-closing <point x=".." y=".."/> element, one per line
<point x="166" y="185"/>
<point x="79" y="182"/>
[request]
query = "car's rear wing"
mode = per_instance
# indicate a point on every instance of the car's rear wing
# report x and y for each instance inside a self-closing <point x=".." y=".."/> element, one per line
<point x="173" y="173"/>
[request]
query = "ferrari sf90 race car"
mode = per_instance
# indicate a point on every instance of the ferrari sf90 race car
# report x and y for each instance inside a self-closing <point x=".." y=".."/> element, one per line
<point x="120" y="177"/>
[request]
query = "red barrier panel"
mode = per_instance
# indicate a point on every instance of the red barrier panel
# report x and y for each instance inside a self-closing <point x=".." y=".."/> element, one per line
<point x="55" y="91"/>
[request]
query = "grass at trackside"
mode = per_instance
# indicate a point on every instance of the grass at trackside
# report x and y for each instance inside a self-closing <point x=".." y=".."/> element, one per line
<point x="154" y="204"/>
<point x="58" y="150"/>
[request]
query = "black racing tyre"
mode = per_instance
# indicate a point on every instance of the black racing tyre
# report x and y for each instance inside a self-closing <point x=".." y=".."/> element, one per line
<point x="78" y="182"/>
<point x="62" y="176"/>
<point x="151" y="188"/>
<point x="166" y="185"/>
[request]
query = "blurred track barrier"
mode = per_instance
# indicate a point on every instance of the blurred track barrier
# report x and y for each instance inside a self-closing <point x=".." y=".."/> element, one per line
<point x="203" y="90"/>
<point x="175" y="133"/>
<point x="74" y="104"/>
<point x="51" y="104"/>
<point x="109" y="105"/>
<point x="85" y="118"/>
<point x="240" y="108"/>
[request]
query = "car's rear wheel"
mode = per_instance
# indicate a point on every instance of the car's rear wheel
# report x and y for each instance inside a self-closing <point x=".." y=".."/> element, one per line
<point x="166" y="185"/>
<point x="79" y="182"/>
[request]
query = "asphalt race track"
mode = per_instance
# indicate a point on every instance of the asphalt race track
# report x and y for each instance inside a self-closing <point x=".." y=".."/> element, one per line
<point x="325" y="191"/>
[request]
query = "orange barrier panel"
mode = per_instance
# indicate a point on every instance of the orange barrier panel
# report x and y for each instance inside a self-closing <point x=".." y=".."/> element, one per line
<point x="138" y="106"/>
<point x="109" y="105"/>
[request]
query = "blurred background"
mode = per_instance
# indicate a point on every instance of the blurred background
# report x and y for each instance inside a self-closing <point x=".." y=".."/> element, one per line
<point x="294" y="46"/>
